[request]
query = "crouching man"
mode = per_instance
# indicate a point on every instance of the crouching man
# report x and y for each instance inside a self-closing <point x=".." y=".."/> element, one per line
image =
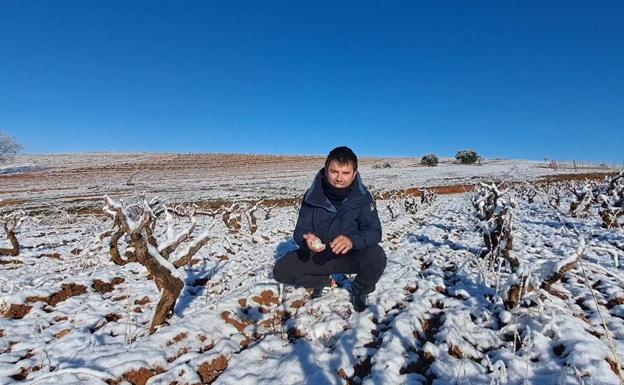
<point x="337" y="231"/>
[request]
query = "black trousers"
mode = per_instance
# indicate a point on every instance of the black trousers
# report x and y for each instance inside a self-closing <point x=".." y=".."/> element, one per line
<point x="298" y="268"/>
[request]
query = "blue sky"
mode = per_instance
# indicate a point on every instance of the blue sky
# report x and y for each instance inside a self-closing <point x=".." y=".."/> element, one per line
<point x="517" y="79"/>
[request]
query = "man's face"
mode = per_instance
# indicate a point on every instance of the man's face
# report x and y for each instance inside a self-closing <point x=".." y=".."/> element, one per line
<point x="340" y="175"/>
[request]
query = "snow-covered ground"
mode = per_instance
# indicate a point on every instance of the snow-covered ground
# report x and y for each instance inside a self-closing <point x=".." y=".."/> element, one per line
<point x="71" y="316"/>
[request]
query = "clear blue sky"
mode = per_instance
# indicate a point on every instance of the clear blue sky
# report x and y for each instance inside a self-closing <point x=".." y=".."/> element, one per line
<point x="516" y="79"/>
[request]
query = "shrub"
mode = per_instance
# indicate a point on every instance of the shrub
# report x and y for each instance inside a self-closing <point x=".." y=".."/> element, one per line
<point x="467" y="156"/>
<point x="430" y="160"/>
<point x="382" y="165"/>
<point x="9" y="147"/>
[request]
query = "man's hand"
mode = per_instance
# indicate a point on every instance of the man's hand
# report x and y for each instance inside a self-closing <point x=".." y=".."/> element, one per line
<point x="341" y="245"/>
<point x="314" y="243"/>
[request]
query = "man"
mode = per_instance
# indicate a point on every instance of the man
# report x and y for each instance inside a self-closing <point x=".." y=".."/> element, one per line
<point x="337" y="231"/>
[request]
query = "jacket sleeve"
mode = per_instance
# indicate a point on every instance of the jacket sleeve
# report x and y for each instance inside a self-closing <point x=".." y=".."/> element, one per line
<point x="304" y="225"/>
<point x="369" y="228"/>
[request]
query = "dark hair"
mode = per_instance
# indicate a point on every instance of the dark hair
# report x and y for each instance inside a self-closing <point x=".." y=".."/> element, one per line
<point x="343" y="155"/>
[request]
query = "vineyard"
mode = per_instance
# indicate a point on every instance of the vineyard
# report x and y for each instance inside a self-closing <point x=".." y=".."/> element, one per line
<point x="157" y="269"/>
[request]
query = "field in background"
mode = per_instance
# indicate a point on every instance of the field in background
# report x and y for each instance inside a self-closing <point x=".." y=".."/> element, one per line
<point x="78" y="182"/>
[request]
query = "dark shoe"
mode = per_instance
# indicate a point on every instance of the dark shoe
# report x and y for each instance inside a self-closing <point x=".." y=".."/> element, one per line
<point x="359" y="298"/>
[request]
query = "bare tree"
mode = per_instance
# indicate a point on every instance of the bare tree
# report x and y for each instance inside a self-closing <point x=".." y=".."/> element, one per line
<point x="544" y="277"/>
<point x="9" y="147"/>
<point x="250" y="216"/>
<point x="427" y="196"/>
<point x="391" y="205"/>
<point x="612" y="202"/>
<point x="232" y="217"/>
<point x="553" y="192"/>
<point x="11" y="222"/>
<point x="528" y="193"/>
<point x="268" y="211"/>
<point x="495" y="213"/>
<point x="525" y="278"/>
<point x="584" y="196"/>
<point x="138" y="223"/>
<point x="411" y="207"/>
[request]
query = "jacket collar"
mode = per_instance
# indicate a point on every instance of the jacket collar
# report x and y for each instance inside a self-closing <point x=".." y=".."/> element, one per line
<point x="316" y="197"/>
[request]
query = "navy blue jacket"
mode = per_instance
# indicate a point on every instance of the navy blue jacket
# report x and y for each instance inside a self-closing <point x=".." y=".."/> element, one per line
<point x="356" y="218"/>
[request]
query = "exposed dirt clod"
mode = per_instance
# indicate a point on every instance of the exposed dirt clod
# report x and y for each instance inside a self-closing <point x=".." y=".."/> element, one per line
<point x="411" y="289"/>
<point x="244" y="344"/>
<point x="106" y="287"/>
<point x="240" y="326"/>
<point x="363" y="368"/>
<point x="210" y="371"/>
<point x="140" y="376"/>
<point x="10" y="262"/>
<point x="178" y="354"/>
<point x="143" y="301"/>
<point x="16" y="311"/>
<point x="456" y="352"/>
<point x="36" y="298"/>
<point x="277" y="321"/>
<point x="102" y="287"/>
<point x="614" y="302"/>
<point x="177" y="339"/>
<point x="421" y="367"/>
<point x="22" y="375"/>
<point x="296" y="304"/>
<point x="430" y="326"/>
<point x="67" y="290"/>
<point x="63" y="333"/>
<point x="266" y="298"/>
<point x="51" y="255"/>
<point x="112" y="317"/>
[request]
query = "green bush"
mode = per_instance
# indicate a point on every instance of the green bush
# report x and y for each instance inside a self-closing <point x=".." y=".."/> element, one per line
<point x="467" y="156"/>
<point x="382" y="165"/>
<point x="430" y="160"/>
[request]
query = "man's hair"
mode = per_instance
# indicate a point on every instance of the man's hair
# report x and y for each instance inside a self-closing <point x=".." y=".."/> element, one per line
<point x="342" y="155"/>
